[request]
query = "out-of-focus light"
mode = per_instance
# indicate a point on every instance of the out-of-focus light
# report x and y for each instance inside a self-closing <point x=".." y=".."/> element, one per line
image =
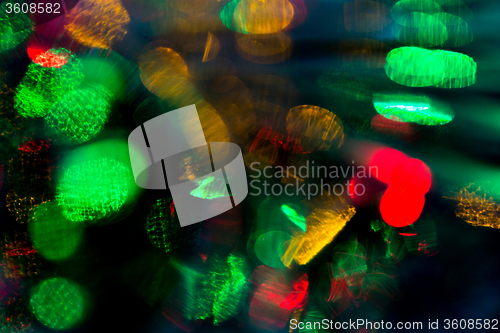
<point x="59" y="303"/>
<point x="43" y="85"/>
<point x="292" y="215"/>
<point x="412" y="108"/>
<point x="92" y="189"/>
<point x="29" y="179"/>
<point x="212" y="48"/>
<point x="217" y="291"/>
<point x="257" y="16"/>
<point x="402" y="9"/>
<point x="54" y="237"/>
<point x="80" y="115"/>
<point x="327" y="218"/>
<point x="401" y="207"/>
<point x="420" y="29"/>
<point x="385" y="160"/>
<point x="271" y="246"/>
<point x="412" y="173"/>
<point x="14" y="27"/>
<point x="97" y="23"/>
<point x="478" y="204"/>
<point x="164" y="230"/>
<point x="417" y="67"/>
<point x="20" y="259"/>
<point x="315" y="128"/>
<point x="393" y="126"/>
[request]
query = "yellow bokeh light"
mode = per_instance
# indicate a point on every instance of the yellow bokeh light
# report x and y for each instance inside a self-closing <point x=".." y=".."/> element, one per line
<point x="97" y="23"/>
<point x="263" y="16"/>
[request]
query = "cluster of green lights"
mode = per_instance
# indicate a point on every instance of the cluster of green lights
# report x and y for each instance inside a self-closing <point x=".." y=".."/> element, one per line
<point x="418" y="67"/>
<point x="92" y="189"/>
<point x="210" y="188"/>
<point x="80" y="114"/>
<point x="164" y="230"/>
<point x="59" y="303"/>
<point x="219" y="291"/>
<point x="428" y="23"/>
<point x="42" y="86"/>
<point x="412" y="108"/>
<point x="14" y="27"/>
<point x="54" y="236"/>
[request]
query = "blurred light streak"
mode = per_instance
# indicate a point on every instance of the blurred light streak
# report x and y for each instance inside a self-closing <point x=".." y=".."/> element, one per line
<point x="276" y="297"/>
<point x="423" y="238"/>
<point x="212" y="48"/>
<point x="418" y="67"/>
<point x="393" y="126"/>
<point x="478" y="204"/>
<point x="329" y="215"/>
<point x="218" y="290"/>
<point x="315" y="128"/>
<point x="396" y="248"/>
<point x="97" y="23"/>
<point x="418" y="109"/>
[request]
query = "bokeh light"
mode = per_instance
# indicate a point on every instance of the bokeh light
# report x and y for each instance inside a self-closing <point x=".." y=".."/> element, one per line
<point x="92" y="189"/>
<point x="164" y="230"/>
<point x="315" y="128"/>
<point x="59" y="303"/>
<point x="54" y="237"/>
<point x="14" y="27"/>
<point x="478" y="204"/>
<point x="418" y="67"/>
<point x="401" y="207"/>
<point x="97" y="23"/>
<point x="412" y="108"/>
<point x="80" y="115"/>
<point x="257" y="16"/>
<point x="43" y="85"/>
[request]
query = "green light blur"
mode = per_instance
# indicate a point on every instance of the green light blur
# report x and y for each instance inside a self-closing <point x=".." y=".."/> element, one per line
<point x="54" y="236"/>
<point x="417" y="67"/>
<point x="350" y="259"/>
<point x="412" y="108"/>
<point x="92" y="189"/>
<point x="459" y="31"/>
<point x="271" y="246"/>
<point x="14" y="27"/>
<point x="58" y="303"/>
<point x="419" y="29"/>
<point x="80" y="115"/>
<point x="298" y="220"/>
<point x="210" y="188"/>
<point x="227" y="17"/>
<point x="42" y="86"/>
<point x="402" y="9"/>
<point x="218" y="291"/>
<point x="164" y="230"/>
